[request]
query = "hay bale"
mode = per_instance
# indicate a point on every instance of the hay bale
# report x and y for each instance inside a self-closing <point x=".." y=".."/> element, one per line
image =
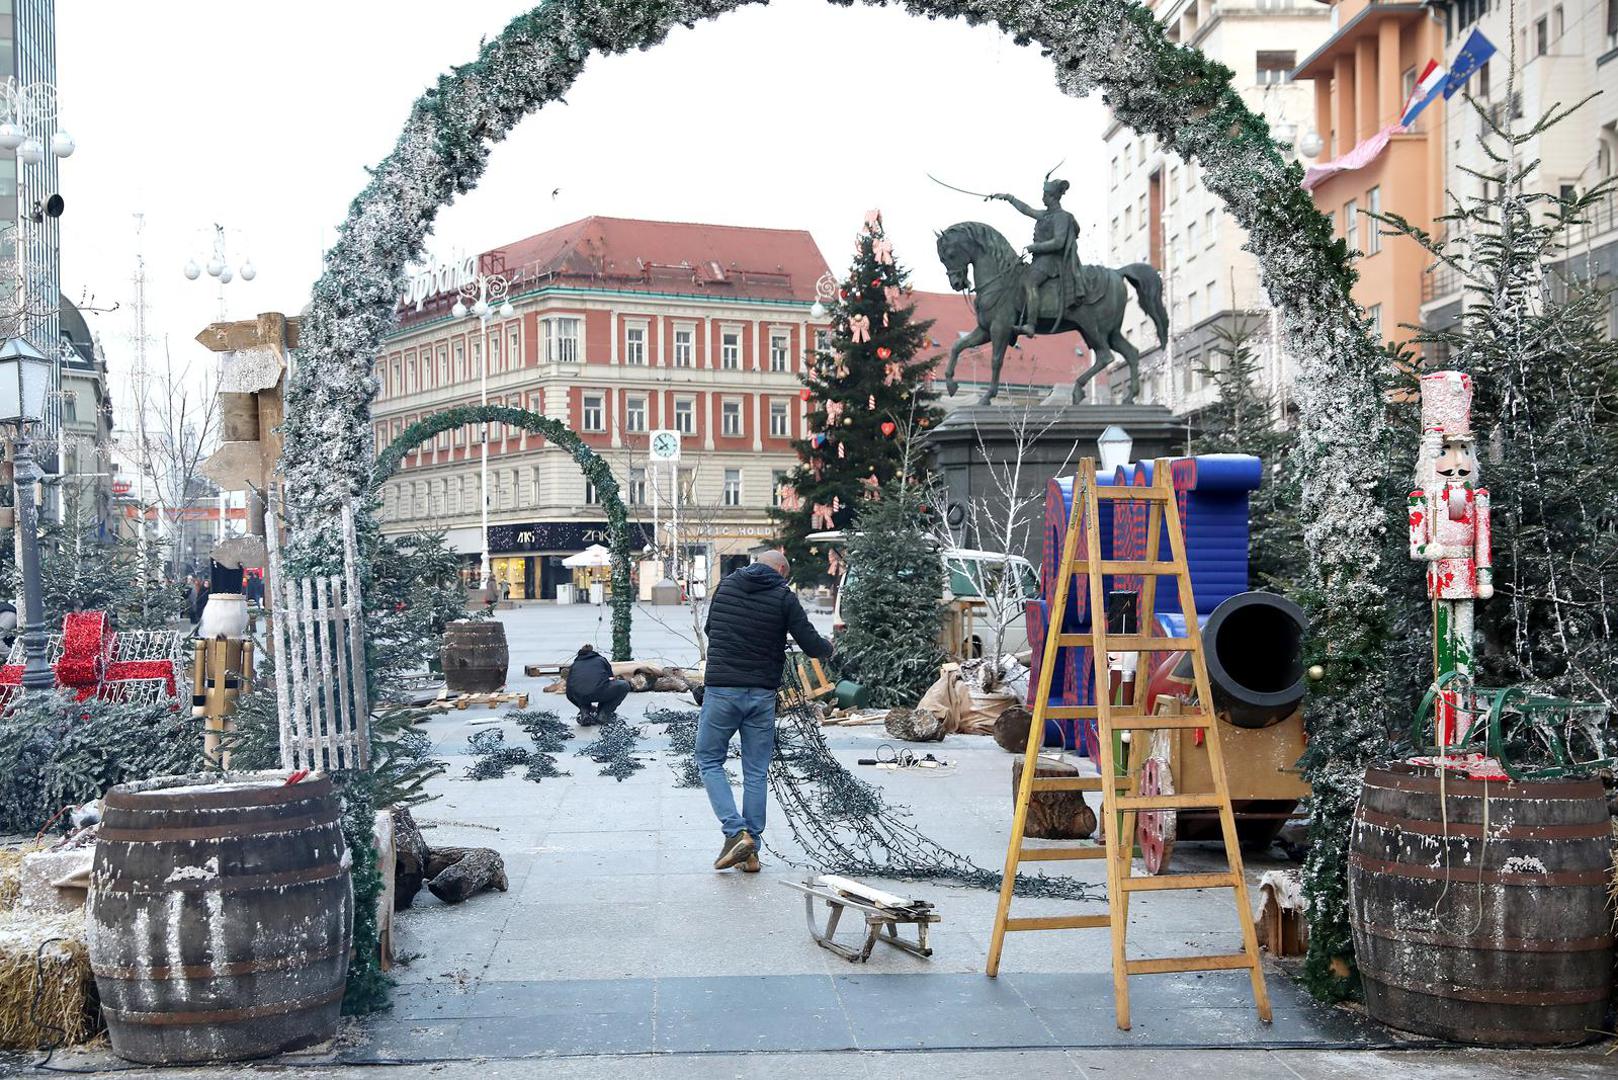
<point x="10" y="878"/>
<point x="67" y="1012"/>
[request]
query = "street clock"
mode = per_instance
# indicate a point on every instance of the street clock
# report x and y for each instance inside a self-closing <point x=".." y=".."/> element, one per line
<point x="665" y="445"/>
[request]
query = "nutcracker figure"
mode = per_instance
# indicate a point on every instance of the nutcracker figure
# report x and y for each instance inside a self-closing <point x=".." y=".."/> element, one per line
<point x="1449" y="530"/>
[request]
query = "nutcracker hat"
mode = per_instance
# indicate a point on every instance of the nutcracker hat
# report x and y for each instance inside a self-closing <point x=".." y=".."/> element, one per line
<point x="1446" y="403"/>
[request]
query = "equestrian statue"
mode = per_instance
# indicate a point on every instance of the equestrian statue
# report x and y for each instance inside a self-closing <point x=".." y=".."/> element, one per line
<point x="1053" y="293"/>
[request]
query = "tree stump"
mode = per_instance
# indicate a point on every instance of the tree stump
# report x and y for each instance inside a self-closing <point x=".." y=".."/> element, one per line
<point x="1054" y="815"/>
<point x="410" y="858"/>
<point x="1011" y="729"/>
<point x="454" y="874"/>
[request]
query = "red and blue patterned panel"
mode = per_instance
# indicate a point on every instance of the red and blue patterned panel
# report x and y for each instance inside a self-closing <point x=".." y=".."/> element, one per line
<point x="1212" y="492"/>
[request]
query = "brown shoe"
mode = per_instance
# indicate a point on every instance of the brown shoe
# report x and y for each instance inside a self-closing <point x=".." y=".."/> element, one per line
<point x="751" y="866"/>
<point x="737" y="849"/>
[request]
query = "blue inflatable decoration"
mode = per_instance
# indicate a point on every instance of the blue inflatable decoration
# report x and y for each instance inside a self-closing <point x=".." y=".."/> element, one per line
<point x="1213" y="492"/>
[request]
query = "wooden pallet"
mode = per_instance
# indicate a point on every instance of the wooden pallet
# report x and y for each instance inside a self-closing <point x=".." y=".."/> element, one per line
<point x="492" y="701"/>
<point x="1121" y="796"/>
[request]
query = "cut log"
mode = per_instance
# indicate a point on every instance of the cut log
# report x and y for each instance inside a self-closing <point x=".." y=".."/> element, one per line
<point x="1011" y="729"/>
<point x="1055" y="815"/>
<point x="915" y="725"/>
<point x="465" y="872"/>
<point x="410" y="858"/>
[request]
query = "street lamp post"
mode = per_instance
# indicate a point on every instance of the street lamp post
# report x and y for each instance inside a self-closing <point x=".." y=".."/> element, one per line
<point x="25" y="379"/>
<point x="488" y="297"/>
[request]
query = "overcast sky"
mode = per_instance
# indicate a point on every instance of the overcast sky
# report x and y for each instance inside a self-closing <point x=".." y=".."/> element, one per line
<point x="263" y="117"/>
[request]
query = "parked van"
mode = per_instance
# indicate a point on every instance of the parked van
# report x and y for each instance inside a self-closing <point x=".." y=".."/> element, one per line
<point x="979" y="587"/>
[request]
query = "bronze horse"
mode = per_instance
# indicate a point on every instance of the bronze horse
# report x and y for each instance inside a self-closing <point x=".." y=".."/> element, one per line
<point x="996" y="279"/>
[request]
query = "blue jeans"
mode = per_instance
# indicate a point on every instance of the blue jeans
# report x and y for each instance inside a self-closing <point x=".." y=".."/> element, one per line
<point x="725" y="711"/>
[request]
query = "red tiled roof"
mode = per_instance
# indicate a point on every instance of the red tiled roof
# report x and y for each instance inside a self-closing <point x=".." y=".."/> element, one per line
<point x="1045" y="361"/>
<point x="632" y="255"/>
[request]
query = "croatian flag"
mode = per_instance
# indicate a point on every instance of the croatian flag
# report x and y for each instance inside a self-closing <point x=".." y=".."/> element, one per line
<point x="1428" y="87"/>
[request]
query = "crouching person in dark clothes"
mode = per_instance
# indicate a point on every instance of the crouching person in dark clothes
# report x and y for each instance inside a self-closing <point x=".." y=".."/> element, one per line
<point x="592" y="689"/>
<point x="749" y="618"/>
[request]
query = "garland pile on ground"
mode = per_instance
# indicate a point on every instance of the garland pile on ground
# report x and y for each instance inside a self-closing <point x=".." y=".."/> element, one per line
<point x="614" y="749"/>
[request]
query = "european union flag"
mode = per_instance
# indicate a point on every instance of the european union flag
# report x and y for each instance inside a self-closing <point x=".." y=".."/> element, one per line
<point x="1473" y="55"/>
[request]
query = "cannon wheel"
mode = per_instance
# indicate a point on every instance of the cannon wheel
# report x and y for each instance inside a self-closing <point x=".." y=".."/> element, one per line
<point x="1155" y="829"/>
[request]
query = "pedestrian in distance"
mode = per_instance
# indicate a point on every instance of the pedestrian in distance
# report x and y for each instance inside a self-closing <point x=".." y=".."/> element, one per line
<point x="751" y="613"/>
<point x="592" y="689"/>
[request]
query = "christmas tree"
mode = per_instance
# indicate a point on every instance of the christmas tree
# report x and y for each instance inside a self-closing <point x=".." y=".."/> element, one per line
<point x="866" y="399"/>
<point x="891" y="599"/>
<point x="1242" y="420"/>
<point x="85" y="566"/>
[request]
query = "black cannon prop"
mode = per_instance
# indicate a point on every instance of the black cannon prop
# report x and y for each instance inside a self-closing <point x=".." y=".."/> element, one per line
<point x="1253" y="643"/>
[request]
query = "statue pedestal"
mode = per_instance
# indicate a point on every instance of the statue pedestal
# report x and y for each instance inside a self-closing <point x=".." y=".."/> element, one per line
<point x="971" y="438"/>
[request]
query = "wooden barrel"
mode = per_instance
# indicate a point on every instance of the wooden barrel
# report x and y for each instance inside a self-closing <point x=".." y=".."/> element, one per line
<point x="220" y="916"/>
<point x="474" y="656"/>
<point x="1479" y="909"/>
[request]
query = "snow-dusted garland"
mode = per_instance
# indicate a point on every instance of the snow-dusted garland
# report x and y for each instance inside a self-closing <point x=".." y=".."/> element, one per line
<point x="595" y="470"/>
<point x="1152" y="85"/>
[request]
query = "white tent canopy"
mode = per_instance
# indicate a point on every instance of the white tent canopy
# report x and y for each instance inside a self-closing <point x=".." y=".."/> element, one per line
<point x="594" y="555"/>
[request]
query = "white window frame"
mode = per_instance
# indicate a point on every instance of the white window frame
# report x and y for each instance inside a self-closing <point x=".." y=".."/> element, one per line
<point x="685" y="415"/>
<point x="725" y="354"/>
<point x="635" y="352"/>
<point x="1351" y="224"/>
<point x="730" y="409"/>
<point x="780" y="350"/>
<point x="636" y="487"/>
<point x="780" y="411"/>
<point x="685" y="353"/>
<point x="1373" y="205"/>
<point x="598" y="423"/>
<point x="731" y="493"/>
<point x="779" y="476"/>
<point x="560" y="349"/>
<point x="631" y="424"/>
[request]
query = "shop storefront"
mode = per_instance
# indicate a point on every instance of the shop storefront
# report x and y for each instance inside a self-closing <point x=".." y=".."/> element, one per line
<point x="526" y="557"/>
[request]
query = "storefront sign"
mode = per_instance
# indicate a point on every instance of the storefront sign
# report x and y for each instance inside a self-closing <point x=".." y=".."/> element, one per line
<point x="561" y="536"/>
<point x="441" y="277"/>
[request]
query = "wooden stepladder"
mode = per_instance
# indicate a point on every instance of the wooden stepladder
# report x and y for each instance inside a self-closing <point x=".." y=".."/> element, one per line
<point x="1120" y="793"/>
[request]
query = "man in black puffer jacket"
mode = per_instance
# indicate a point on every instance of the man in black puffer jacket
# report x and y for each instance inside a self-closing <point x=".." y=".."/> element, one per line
<point x="591" y="687"/>
<point x="749" y="618"/>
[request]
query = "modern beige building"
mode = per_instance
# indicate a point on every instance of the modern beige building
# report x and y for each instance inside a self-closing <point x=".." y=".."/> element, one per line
<point x="1159" y="212"/>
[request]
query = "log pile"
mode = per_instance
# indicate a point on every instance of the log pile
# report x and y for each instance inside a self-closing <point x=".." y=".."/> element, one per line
<point x="453" y="874"/>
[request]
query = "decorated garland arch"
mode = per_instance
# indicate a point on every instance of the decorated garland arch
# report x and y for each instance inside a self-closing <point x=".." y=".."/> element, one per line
<point x="1152" y="85"/>
<point x="595" y="470"/>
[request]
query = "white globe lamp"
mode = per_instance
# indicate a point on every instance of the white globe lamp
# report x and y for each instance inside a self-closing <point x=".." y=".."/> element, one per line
<point x="226" y="276"/>
<point x="459" y="310"/>
<point x="1311" y="144"/>
<point x="506" y="310"/>
<point x="817" y="310"/>
<point x="215" y="266"/>
<point x="11" y="136"/>
<point x="192" y="270"/>
<point x="62" y="144"/>
<point x="248" y="270"/>
<point x="31" y="152"/>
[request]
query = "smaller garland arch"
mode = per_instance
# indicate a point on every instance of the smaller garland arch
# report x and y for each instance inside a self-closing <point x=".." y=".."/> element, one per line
<point x="595" y="470"/>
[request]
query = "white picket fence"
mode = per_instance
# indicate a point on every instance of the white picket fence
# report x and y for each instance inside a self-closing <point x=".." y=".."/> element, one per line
<point x="321" y="699"/>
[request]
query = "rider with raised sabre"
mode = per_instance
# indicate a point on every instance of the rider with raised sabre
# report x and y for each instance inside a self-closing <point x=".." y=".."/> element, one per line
<point x="1055" y="253"/>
